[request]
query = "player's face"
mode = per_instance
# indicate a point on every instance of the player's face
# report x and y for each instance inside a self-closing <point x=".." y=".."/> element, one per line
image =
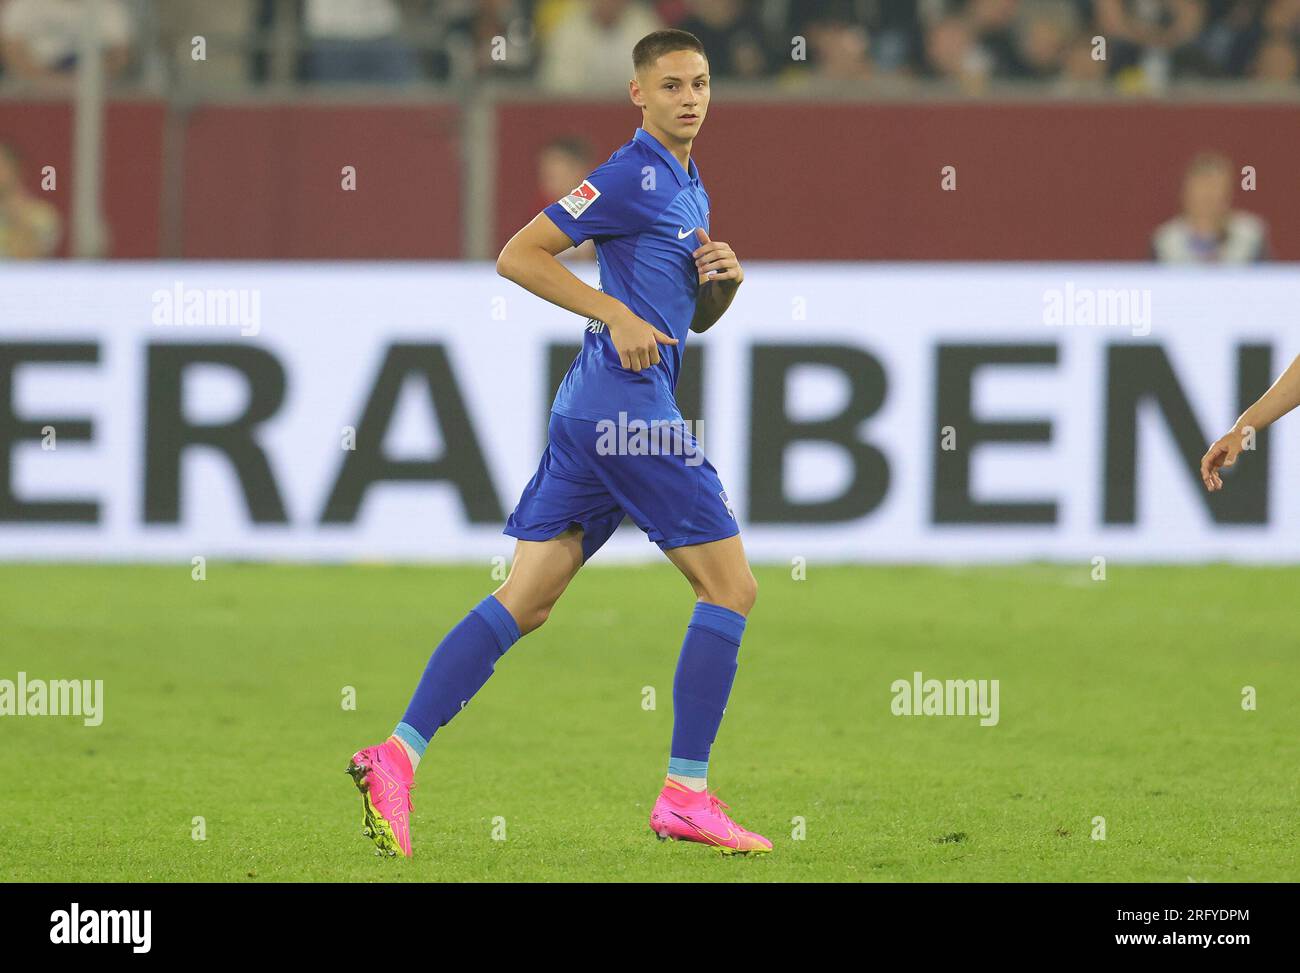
<point x="675" y="93"/>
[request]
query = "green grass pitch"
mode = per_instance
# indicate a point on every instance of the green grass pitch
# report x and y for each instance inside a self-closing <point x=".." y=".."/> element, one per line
<point x="1119" y="699"/>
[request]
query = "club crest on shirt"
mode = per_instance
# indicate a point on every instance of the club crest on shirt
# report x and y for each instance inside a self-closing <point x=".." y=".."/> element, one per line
<point x="578" y="200"/>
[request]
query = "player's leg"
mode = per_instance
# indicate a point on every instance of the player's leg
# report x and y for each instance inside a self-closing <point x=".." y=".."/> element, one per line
<point x="725" y="591"/>
<point x="718" y="572"/>
<point x="539" y="573"/>
<point x="673" y="493"/>
<point x="563" y="516"/>
<point x="464" y="660"/>
<point x="458" y="668"/>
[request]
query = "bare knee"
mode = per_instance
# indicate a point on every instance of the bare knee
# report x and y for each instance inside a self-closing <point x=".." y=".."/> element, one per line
<point x="529" y="618"/>
<point x="534" y="618"/>
<point x="748" y="593"/>
<point x="538" y="576"/>
<point x="738" y="593"/>
<point x="530" y="612"/>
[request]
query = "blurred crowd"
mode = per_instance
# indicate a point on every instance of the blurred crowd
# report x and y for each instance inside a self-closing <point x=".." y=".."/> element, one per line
<point x="583" y="46"/>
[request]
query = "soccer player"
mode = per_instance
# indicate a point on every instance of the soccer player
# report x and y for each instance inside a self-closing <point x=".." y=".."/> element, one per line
<point x="660" y="277"/>
<point x="1281" y="398"/>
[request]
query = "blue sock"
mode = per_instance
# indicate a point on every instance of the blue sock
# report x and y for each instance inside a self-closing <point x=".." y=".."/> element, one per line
<point x="458" y="668"/>
<point x="705" y="671"/>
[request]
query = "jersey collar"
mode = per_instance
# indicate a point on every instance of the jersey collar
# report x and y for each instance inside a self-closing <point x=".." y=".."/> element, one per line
<point x="675" y="167"/>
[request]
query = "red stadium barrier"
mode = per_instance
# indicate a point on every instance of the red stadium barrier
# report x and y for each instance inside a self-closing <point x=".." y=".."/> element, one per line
<point x="266" y="182"/>
<point x="41" y="131"/>
<point x="1040" y="181"/>
<point x="1035" y="181"/>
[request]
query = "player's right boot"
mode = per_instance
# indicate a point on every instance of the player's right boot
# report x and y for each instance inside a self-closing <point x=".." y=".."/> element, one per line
<point x="686" y="815"/>
<point x="383" y="776"/>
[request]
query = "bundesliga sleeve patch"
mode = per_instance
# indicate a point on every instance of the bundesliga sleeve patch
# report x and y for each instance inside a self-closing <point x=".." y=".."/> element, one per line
<point x="580" y="199"/>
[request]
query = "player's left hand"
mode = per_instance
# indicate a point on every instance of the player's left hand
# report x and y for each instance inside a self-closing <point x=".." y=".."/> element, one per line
<point x="715" y="260"/>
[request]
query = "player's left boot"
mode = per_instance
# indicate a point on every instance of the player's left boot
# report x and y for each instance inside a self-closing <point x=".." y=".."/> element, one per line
<point x="686" y="815"/>
<point x="383" y="776"/>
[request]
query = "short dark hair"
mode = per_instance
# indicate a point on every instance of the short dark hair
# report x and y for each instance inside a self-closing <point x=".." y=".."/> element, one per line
<point x="654" y="46"/>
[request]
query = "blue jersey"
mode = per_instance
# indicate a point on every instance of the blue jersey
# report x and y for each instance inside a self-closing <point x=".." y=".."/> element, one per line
<point x="641" y="207"/>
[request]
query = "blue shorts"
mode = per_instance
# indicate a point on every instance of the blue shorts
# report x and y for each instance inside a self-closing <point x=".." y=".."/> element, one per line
<point x="593" y="474"/>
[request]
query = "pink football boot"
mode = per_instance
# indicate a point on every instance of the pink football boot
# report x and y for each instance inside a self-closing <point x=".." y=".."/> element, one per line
<point x="686" y="815"/>
<point x="383" y="776"/>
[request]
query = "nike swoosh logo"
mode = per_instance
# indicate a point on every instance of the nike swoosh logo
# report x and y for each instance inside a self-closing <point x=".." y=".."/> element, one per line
<point x="731" y="835"/>
<point x="683" y="236"/>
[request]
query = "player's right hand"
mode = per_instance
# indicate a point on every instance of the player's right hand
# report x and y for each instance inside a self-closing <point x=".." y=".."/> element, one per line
<point x="1221" y="455"/>
<point x="636" y="341"/>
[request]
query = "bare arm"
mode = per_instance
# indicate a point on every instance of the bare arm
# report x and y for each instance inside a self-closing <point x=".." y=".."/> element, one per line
<point x="528" y="259"/>
<point x="720" y="276"/>
<point x="1281" y="398"/>
<point x="712" y="303"/>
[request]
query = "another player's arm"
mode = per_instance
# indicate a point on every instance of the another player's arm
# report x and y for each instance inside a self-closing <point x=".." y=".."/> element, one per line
<point x="1281" y="398"/>
<point x="720" y="276"/>
<point x="528" y="259"/>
